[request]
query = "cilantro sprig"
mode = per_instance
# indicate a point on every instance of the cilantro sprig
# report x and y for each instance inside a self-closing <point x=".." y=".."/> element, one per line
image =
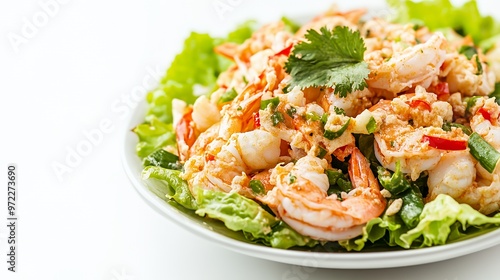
<point x="331" y="58"/>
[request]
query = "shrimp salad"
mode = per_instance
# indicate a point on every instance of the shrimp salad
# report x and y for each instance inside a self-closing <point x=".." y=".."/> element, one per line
<point x="348" y="129"/>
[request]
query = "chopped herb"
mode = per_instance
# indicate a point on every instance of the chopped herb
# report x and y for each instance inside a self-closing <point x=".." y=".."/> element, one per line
<point x="448" y="125"/>
<point x="496" y="93"/>
<point x="291" y="178"/>
<point x="312" y="116"/>
<point x="228" y="96"/>
<point x="331" y="58"/>
<point x="338" y="111"/>
<point x="286" y="89"/>
<point x="257" y="187"/>
<point x="396" y="182"/>
<point x="330" y="135"/>
<point x="322" y="152"/>
<point x="324" y="118"/>
<point x="470" y="103"/>
<point x="338" y="181"/>
<point x="291" y="111"/>
<point x="470" y="52"/>
<point x="273" y="101"/>
<point x="245" y="80"/>
<point x="371" y="126"/>
<point x="276" y="118"/>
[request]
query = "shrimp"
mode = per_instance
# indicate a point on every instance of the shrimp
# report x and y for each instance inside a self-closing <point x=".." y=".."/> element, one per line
<point x="300" y="199"/>
<point x="398" y="139"/>
<point x="416" y="65"/>
<point x="453" y="175"/>
<point x="459" y="176"/>
<point x="205" y="113"/>
<point x="463" y="76"/>
<point x="353" y="104"/>
<point x="226" y="165"/>
<point x="485" y="122"/>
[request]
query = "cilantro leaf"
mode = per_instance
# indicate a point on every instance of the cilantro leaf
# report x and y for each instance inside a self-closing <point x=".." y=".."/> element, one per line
<point x="332" y="58"/>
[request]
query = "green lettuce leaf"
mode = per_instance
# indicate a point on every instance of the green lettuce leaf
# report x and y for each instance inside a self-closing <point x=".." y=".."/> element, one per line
<point x="440" y="216"/>
<point x="438" y="14"/>
<point x="290" y="25"/>
<point x="284" y="237"/>
<point x="442" y="221"/>
<point x="152" y="135"/>
<point x="241" y="33"/>
<point x="170" y="185"/>
<point x="163" y="159"/>
<point x="385" y="229"/>
<point x="197" y="64"/>
<point x="242" y="214"/>
<point x="194" y="69"/>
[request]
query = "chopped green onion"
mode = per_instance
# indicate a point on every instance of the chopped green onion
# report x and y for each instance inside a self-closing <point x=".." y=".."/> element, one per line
<point x="273" y="101"/>
<point x="322" y="152"/>
<point x="338" y="111"/>
<point x="291" y="111"/>
<point x="286" y="89"/>
<point x="483" y="152"/>
<point x="257" y="187"/>
<point x="228" y="96"/>
<point x="470" y="52"/>
<point x="448" y="125"/>
<point x="330" y="135"/>
<point x="312" y="116"/>
<point x="371" y="126"/>
<point x="324" y="118"/>
<point x="496" y="93"/>
<point x="470" y="102"/>
<point x="276" y="118"/>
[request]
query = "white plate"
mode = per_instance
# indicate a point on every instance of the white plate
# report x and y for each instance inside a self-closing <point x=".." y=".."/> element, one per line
<point x="217" y="233"/>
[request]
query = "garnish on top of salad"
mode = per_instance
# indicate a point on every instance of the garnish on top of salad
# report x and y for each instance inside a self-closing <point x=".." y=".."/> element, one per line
<point x="346" y="130"/>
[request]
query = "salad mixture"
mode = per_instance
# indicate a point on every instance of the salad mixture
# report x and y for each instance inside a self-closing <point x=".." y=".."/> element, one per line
<point x="349" y="130"/>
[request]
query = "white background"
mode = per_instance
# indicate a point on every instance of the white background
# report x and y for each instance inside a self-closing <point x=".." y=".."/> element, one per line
<point x="76" y="66"/>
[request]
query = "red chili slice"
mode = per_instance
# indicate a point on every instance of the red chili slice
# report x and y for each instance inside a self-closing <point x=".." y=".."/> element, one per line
<point x="209" y="157"/>
<point x="442" y="90"/>
<point x="445" y="144"/>
<point x="256" y="119"/>
<point x="485" y="113"/>
<point x="285" y="51"/>
<point x="419" y="104"/>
